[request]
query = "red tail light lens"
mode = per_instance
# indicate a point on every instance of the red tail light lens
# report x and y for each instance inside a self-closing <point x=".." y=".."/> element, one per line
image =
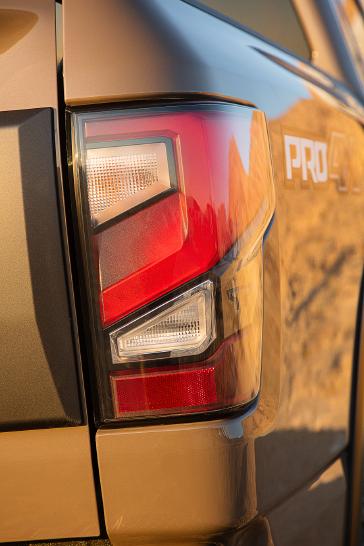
<point x="164" y="390"/>
<point x="173" y="203"/>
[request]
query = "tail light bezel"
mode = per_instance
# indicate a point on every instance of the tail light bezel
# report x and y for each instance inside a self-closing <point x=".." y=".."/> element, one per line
<point x="99" y="352"/>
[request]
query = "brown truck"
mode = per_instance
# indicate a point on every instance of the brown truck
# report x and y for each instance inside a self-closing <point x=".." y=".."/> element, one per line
<point x="181" y="260"/>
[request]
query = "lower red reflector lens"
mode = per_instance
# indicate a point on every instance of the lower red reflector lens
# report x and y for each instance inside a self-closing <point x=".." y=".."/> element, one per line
<point x="161" y="390"/>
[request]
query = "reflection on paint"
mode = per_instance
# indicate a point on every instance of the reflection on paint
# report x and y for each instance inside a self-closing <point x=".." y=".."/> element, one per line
<point x="14" y="25"/>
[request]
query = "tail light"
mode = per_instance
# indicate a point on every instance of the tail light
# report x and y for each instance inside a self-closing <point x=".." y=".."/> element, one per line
<point x="173" y="203"/>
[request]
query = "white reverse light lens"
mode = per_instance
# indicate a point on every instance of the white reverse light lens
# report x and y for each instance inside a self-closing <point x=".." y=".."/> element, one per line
<point x="181" y="327"/>
<point x="120" y="177"/>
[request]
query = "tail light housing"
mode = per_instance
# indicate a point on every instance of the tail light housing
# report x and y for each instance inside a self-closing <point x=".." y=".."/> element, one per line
<point x="172" y="204"/>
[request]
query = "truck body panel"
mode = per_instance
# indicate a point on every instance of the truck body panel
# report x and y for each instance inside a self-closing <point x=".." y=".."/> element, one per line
<point x="313" y="256"/>
<point x="46" y="473"/>
<point x="242" y="479"/>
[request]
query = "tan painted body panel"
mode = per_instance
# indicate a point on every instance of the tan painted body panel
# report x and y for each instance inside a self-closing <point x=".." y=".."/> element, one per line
<point x="184" y="483"/>
<point x="27" y="54"/>
<point x="123" y="59"/>
<point x="294" y="520"/>
<point x="46" y="476"/>
<point x="175" y="482"/>
<point x="107" y="75"/>
<point x="47" y="484"/>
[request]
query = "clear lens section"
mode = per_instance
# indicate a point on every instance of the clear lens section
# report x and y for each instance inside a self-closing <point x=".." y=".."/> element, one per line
<point x="184" y="326"/>
<point x="120" y="177"/>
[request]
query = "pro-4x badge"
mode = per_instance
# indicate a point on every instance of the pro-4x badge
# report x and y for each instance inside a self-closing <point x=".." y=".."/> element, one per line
<point x="309" y="156"/>
<point x="312" y="162"/>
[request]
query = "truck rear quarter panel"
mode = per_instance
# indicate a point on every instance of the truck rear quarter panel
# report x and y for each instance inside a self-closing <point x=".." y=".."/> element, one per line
<point x="188" y="483"/>
<point x="47" y="483"/>
<point x="314" y="254"/>
<point x="313" y="257"/>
